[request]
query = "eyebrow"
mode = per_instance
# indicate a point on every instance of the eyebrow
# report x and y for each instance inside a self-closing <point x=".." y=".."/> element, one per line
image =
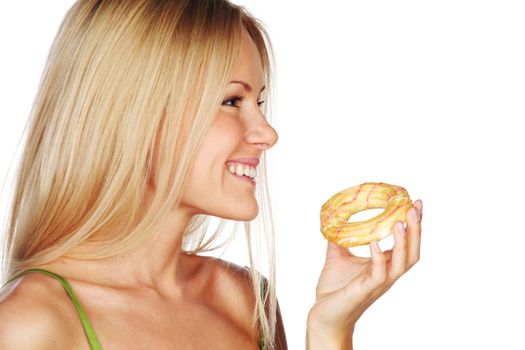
<point x="247" y="86"/>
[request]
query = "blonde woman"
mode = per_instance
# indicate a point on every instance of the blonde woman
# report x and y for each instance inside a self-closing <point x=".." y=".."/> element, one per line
<point x="149" y="120"/>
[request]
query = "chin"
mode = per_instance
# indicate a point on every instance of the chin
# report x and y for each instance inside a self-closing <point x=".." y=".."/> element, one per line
<point x="242" y="214"/>
<point x="250" y="217"/>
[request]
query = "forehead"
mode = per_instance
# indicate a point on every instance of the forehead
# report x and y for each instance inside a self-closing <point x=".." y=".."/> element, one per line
<point x="248" y="65"/>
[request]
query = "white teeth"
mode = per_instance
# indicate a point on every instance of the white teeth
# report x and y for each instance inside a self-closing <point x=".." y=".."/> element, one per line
<point x="240" y="169"/>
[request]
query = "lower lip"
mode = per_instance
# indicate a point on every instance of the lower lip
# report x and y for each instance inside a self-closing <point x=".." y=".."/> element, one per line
<point x="244" y="178"/>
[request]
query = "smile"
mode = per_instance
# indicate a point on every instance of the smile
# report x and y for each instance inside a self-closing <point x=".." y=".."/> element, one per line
<point x="242" y="171"/>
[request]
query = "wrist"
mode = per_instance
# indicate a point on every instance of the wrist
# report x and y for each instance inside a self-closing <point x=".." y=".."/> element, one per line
<point x="318" y="338"/>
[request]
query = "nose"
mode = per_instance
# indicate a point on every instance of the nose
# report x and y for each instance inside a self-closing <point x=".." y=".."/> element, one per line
<point x="261" y="134"/>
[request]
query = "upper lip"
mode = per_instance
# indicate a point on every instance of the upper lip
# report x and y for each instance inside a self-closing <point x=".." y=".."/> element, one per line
<point x="250" y="161"/>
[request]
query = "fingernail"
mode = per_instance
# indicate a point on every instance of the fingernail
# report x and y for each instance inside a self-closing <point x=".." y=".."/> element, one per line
<point x="413" y="214"/>
<point x="400" y="227"/>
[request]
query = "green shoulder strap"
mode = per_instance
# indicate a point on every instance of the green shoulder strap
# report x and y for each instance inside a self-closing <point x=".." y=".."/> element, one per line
<point x="88" y="329"/>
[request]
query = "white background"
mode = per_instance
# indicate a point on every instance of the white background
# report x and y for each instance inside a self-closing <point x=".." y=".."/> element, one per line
<point x="424" y="94"/>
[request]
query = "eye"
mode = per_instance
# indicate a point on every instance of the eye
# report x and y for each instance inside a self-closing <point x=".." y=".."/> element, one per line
<point x="235" y="98"/>
<point x="232" y="99"/>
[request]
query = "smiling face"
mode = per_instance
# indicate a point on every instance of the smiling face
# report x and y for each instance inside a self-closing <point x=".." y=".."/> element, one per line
<point x="234" y="143"/>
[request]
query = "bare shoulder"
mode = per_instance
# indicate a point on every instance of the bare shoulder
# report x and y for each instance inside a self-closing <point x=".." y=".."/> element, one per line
<point x="228" y="287"/>
<point x="236" y="274"/>
<point x="33" y="315"/>
<point x="232" y="280"/>
<point x="241" y="281"/>
<point x="235" y="284"/>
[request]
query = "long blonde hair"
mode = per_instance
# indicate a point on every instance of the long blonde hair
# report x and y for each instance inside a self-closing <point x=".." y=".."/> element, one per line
<point x="125" y="78"/>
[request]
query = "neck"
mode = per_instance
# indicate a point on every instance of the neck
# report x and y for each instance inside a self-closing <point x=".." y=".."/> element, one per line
<point x="158" y="263"/>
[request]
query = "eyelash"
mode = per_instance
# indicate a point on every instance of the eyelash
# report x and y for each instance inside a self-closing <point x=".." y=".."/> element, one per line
<point x="234" y="98"/>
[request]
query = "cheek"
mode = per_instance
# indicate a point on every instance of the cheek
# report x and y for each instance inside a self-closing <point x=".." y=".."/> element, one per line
<point x="224" y="134"/>
<point x="220" y="143"/>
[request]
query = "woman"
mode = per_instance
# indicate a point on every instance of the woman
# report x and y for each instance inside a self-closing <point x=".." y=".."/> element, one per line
<point x="149" y="120"/>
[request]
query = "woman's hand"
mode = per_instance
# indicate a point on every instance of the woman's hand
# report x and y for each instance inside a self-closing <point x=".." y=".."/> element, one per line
<point x="348" y="284"/>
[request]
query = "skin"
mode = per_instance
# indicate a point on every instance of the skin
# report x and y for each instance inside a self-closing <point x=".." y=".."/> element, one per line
<point x="348" y="284"/>
<point x="155" y="296"/>
<point x="155" y="290"/>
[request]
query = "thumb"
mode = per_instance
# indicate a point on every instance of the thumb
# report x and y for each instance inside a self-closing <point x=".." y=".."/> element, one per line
<point x="335" y="251"/>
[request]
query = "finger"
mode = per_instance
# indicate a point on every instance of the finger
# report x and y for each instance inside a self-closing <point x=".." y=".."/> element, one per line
<point x="413" y="236"/>
<point x="388" y="256"/>
<point x="378" y="263"/>
<point x="335" y="251"/>
<point x="419" y="206"/>
<point x="399" y="255"/>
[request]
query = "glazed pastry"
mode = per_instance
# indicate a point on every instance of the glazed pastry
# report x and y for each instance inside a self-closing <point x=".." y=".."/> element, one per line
<point x="369" y="195"/>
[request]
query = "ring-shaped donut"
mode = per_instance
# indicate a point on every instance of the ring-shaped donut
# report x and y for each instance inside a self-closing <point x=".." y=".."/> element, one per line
<point x="336" y="211"/>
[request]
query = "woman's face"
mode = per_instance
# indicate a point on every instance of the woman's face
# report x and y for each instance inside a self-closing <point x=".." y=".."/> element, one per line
<point x="234" y="143"/>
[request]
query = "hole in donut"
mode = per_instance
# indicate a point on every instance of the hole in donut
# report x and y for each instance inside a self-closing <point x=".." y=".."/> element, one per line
<point x="364" y="251"/>
<point x="366" y="214"/>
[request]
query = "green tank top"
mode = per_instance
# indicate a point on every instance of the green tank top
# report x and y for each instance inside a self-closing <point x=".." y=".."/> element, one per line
<point x="93" y="341"/>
